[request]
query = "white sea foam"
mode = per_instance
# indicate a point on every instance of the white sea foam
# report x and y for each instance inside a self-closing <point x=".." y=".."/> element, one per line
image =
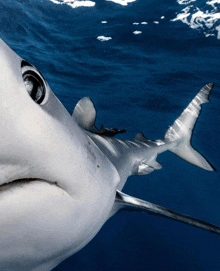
<point x="137" y="32"/>
<point x="213" y="3"/>
<point x="103" y="38"/>
<point x="74" y="3"/>
<point x="185" y="2"/>
<point x="208" y="35"/>
<point x="122" y="2"/>
<point x="206" y="20"/>
<point x="55" y="2"/>
<point x="83" y="3"/>
<point x="218" y="29"/>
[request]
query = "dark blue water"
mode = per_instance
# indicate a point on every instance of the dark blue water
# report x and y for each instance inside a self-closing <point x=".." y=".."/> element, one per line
<point x="140" y="82"/>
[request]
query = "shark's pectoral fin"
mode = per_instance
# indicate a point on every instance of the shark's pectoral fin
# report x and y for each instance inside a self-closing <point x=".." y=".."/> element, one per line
<point x="84" y="114"/>
<point x="123" y="200"/>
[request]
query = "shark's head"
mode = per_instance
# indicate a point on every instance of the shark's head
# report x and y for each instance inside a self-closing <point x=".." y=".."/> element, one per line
<point x="39" y="138"/>
<point x="30" y="122"/>
<point x="56" y="187"/>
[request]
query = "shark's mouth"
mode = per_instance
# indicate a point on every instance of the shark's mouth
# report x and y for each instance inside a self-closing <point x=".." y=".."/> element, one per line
<point x="23" y="182"/>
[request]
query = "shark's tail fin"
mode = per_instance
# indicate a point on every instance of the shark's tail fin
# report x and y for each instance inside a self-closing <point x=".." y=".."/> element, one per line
<point x="178" y="136"/>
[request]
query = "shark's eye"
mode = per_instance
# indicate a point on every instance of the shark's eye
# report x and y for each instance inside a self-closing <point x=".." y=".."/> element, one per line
<point x="34" y="86"/>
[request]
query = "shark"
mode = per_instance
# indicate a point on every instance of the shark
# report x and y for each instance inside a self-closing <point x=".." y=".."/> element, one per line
<point x="61" y="178"/>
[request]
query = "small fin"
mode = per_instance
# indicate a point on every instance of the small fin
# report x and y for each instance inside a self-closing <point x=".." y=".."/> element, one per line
<point x="144" y="169"/>
<point x="155" y="165"/>
<point x="141" y="138"/>
<point x="124" y="200"/>
<point x="181" y="131"/>
<point x="146" y="166"/>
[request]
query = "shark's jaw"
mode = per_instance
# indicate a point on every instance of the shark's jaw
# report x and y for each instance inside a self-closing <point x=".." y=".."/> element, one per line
<point x="37" y="219"/>
<point x="43" y="221"/>
<point x="22" y="182"/>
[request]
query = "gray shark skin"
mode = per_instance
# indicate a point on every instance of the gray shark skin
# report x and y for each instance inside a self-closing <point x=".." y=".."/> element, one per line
<point x="61" y="177"/>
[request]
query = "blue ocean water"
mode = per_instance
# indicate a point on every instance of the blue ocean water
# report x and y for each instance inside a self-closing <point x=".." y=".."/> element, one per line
<point x="141" y="62"/>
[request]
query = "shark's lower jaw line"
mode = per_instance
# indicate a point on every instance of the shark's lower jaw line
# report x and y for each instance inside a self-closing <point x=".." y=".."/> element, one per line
<point x="22" y="182"/>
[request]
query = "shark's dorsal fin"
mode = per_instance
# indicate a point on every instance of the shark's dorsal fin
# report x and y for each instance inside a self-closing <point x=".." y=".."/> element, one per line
<point x="123" y="200"/>
<point x="84" y="114"/>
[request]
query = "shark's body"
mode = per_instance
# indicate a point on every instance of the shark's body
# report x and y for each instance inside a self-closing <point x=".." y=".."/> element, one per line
<point x="60" y="177"/>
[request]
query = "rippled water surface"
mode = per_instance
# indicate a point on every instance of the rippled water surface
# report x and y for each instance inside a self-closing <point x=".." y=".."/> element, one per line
<point x="141" y="62"/>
